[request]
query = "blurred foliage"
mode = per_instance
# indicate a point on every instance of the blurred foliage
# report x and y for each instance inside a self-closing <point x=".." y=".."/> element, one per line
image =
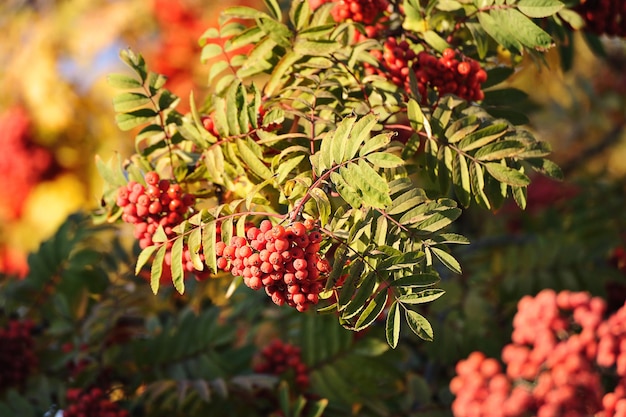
<point x="192" y="354"/>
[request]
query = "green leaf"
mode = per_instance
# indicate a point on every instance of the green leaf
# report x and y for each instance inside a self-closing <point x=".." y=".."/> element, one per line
<point x="546" y="167"/>
<point x="375" y="143"/>
<point x="478" y="185"/>
<point x="422" y="297"/>
<point x="461" y="180"/>
<point x="243" y="12"/>
<point x="438" y="220"/>
<point x="322" y="47"/>
<point x="209" y="236"/>
<point x="384" y="159"/>
<point x="420" y="280"/>
<point x="483" y="136"/>
<point x="407" y="201"/>
<point x="274" y="8"/>
<point x="280" y="70"/>
<point x="130" y="120"/>
<point x="373" y="188"/>
<point x="339" y="140"/>
<point x="129" y="101"/>
<point x="157" y="269"/>
<point x="323" y="204"/>
<point x="497" y="31"/>
<point x="143" y="257"/>
<point x="178" y="274"/>
<point x="360" y="133"/>
<point x="497" y="75"/>
<point x="524" y="29"/>
<point x="433" y="39"/>
<point x="363" y="293"/>
<point x="159" y="235"/>
<point x="419" y="325"/>
<point x="255" y="164"/>
<point x="194" y="243"/>
<point x="123" y="81"/>
<point x="539" y="8"/>
<point x="507" y="175"/>
<point x="461" y="128"/>
<point x="299" y="13"/>
<point x="448" y="260"/>
<point x="345" y="190"/>
<point x="392" y="325"/>
<point x="371" y="312"/>
<point x="499" y="150"/>
<point x="415" y="114"/>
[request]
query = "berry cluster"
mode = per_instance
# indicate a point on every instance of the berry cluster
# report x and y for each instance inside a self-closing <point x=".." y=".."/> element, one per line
<point x="161" y="203"/>
<point x="279" y="358"/>
<point x="560" y="346"/>
<point x="27" y="163"/>
<point x="284" y="261"/>
<point x="17" y="353"/>
<point x="449" y="74"/>
<point x="363" y="11"/>
<point x="93" y="403"/>
<point x="604" y="16"/>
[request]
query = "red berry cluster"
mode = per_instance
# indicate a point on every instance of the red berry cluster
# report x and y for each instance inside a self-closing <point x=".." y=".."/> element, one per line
<point x="449" y="74"/>
<point x="17" y="353"/>
<point x="279" y="358"/>
<point x="160" y="203"/>
<point x="604" y="16"/>
<point x="27" y="163"/>
<point x="363" y="11"/>
<point x="91" y="403"/>
<point x="554" y="367"/>
<point x="284" y="261"/>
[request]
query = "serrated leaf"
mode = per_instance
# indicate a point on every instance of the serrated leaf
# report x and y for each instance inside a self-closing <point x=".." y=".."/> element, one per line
<point x="209" y="236"/>
<point x="255" y="164"/>
<point x="274" y="7"/>
<point x="194" y="243"/>
<point x="371" y="312"/>
<point x="461" y="128"/>
<point x="419" y="325"/>
<point x="159" y="235"/>
<point x="360" y="133"/>
<point x="349" y="286"/>
<point x="318" y="47"/>
<point x="323" y="204"/>
<point x="178" y="274"/>
<point x="415" y="114"/>
<point x="392" y="325"/>
<point x="438" y="220"/>
<point x="478" y="185"/>
<point x="500" y="33"/>
<point x="384" y="160"/>
<point x="539" y="8"/>
<point x="123" y="81"/>
<point x="546" y="167"/>
<point x="499" y="150"/>
<point x="130" y="120"/>
<point x="507" y="175"/>
<point x="129" y="101"/>
<point x="341" y="257"/>
<point x="483" y="136"/>
<point x="372" y="187"/>
<point x="375" y="143"/>
<point x="284" y="168"/>
<point x="407" y="201"/>
<point x="520" y="196"/>
<point x="157" y="269"/>
<point x="461" y="180"/>
<point x="448" y="260"/>
<point x="143" y="257"/>
<point x="433" y="39"/>
<point x="422" y="297"/>
<point x="279" y="71"/>
<point x="243" y="12"/>
<point x="524" y="29"/>
<point x="363" y="293"/>
<point x="339" y="140"/>
<point x="420" y="280"/>
<point x="345" y="190"/>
